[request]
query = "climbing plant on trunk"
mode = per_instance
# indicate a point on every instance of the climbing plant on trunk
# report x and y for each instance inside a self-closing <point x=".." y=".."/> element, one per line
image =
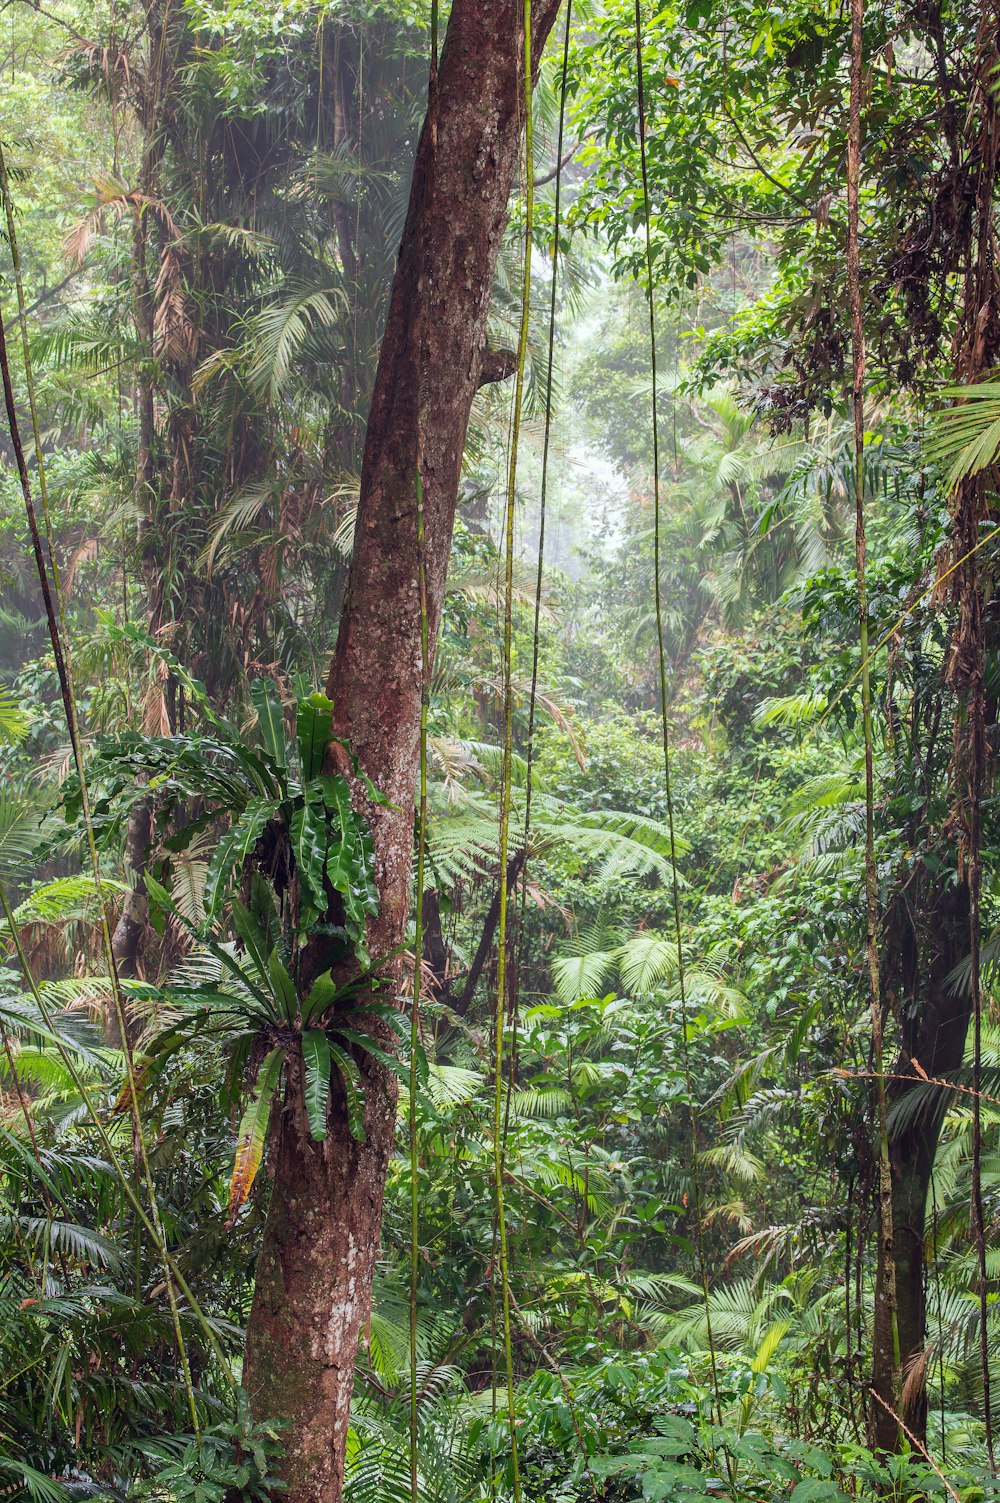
<point x="315" y="1267"/>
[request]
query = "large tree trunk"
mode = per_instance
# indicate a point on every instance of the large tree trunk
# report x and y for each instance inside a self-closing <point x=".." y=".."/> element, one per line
<point x="935" y="1019"/>
<point x="321" y="1237"/>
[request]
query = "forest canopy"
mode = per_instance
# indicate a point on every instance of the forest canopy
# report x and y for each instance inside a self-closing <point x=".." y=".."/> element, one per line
<point x="499" y="719"/>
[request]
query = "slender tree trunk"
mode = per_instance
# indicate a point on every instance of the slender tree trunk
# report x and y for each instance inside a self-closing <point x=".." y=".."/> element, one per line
<point x="321" y="1236"/>
<point x="935" y="1020"/>
<point x="127" y="938"/>
<point x="435" y="956"/>
<point x="487" y="937"/>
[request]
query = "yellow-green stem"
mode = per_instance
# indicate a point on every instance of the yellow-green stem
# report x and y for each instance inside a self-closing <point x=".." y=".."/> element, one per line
<point x="418" y="944"/>
<point x="415" y="1010"/>
<point x="508" y="744"/>
<point x="871" y="868"/>
<point x="665" y="728"/>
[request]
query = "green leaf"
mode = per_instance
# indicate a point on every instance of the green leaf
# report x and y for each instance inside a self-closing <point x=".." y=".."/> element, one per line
<point x="282" y="986"/>
<point x="391" y="1016"/>
<point x="314" y="728"/>
<point x="308" y="831"/>
<point x="14" y="719"/>
<point x="316" y="1054"/>
<point x="252" y="935"/>
<point x="270" y="721"/>
<point x="364" y="1041"/>
<point x="354" y="1090"/>
<point x="233" y="849"/>
<point x="253" y="1132"/>
<point x="967" y="436"/>
<point x="322" y="994"/>
<point x="351" y="860"/>
<point x="817" y="1490"/>
<point x="162" y="898"/>
<point x="258" y="926"/>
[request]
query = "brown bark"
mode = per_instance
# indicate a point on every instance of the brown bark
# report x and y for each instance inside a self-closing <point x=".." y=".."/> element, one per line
<point x="321" y="1236"/>
<point x="126" y="942"/>
<point x="486" y="939"/>
<point x="934" y="1016"/>
<point x="435" y="956"/>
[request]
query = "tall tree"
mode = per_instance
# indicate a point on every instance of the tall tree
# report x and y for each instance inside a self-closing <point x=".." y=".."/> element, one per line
<point x="315" y="1267"/>
<point x="936" y="1014"/>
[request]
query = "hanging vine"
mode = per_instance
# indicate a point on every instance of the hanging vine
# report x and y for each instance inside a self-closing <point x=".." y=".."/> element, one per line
<point x="665" y="725"/>
<point x="418" y="939"/>
<point x="884" y="1183"/>
<point x="978" y="351"/>
<point x="508" y="746"/>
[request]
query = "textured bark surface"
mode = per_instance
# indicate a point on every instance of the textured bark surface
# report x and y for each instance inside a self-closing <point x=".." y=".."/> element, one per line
<point x="935" y="1015"/>
<point x="321" y="1238"/>
<point x="935" y="1020"/>
<point x="126" y="942"/>
<point x="313" y="1281"/>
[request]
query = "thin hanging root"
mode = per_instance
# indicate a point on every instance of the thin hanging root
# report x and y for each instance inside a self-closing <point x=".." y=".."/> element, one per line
<point x="561" y="162"/>
<point x="418" y="943"/>
<point x="940" y="1317"/>
<point x="508" y="745"/>
<point x="543" y="498"/>
<point x="871" y="869"/>
<point x="418" y="946"/>
<point x="529" y="778"/>
<point x="665" y="728"/>
<point x="979" y="334"/>
<point x="56" y="619"/>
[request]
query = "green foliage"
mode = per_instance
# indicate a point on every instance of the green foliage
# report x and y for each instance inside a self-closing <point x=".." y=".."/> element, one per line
<point x="282" y="159"/>
<point x="235" y="1458"/>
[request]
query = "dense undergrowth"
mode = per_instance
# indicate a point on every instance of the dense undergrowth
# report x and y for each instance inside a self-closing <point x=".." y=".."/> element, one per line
<point x="690" y="1152"/>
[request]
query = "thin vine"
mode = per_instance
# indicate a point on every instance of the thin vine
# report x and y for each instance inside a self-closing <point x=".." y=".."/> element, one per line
<point x="664" y="723"/>
<point x="508" y="745"/>
<point x="418" y="941"/>
<point x="884" y="1195"/>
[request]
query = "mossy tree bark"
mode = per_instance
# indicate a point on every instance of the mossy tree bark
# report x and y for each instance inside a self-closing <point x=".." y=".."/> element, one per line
<point x="321" y="1237"/>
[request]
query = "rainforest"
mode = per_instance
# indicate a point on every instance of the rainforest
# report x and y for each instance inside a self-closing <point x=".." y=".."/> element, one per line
<point x="499" y="751"/>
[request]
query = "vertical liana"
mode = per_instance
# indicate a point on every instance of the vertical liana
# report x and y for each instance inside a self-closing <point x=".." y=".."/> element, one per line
<point x="508" y="746"/>
<point x="853" y="259"/>
<point x="543" y="497"/>
<point x="975" y="749"/>
<point x="664" y="725"/>
<point x="418" y="945"/>
<point x="978" y="345"/>
<point x="418" y="938"/>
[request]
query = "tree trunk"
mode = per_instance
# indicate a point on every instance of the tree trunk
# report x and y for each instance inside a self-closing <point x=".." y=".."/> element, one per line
<point x="126" y="942"/>
<point x="935" y="1020"/>
<point x="321" y="1236"/>
<point x="934" y="1016"/>
<point x="515" y="865"/>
